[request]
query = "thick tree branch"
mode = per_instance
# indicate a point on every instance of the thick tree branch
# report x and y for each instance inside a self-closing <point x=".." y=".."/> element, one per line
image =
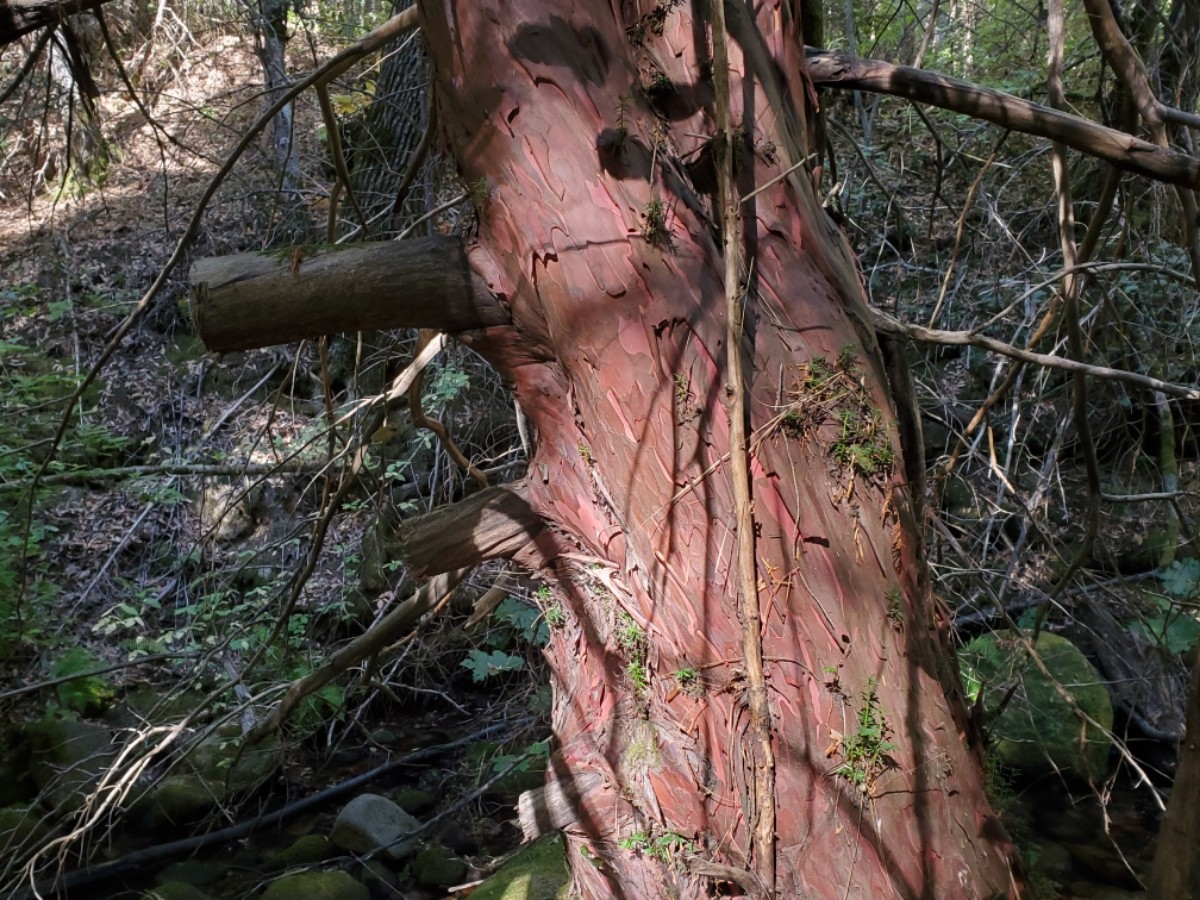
<point x="836" y="70"/>
<point x="257" y="299"/>
<point x="19" y="17"/>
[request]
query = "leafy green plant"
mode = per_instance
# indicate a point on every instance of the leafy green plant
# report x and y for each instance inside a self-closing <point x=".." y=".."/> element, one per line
<point x="326" y="703"/>
<point x="666" y="847"/>
<point x="654" y="224"/>
<point x="638" y="675"/>
<point x="526" y="621"/>
<point x="631" y="639"/>
<point x="823" y="392"/>
<point x="1168" y="625"/>
<point x="87" y="695"/>
<point x="532" y="759"/>
<point x="483" y="665"/>
<point x="895" y="605"/>
<point x="865" y="750"/>
<point x="686" y="676"/>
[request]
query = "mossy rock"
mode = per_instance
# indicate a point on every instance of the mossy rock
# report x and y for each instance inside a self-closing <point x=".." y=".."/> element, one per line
<point x="219" y="760"/>
<point x="1039" y="732"/>
<point x="175" y="801"/>
<point x="193" y="871"/>
<point x="16" y="784"/>
<point x="21" y="827"/>
<point x="316" y="886"/>
<point x="306" y="851"/>
<point x="144" y="704"/>
<point x="437" y="867"/>
<point x="68" y="759"/>
<point x="414" y="801"/>
<point x="537" y="872"/>
<point x="175" y="890"/>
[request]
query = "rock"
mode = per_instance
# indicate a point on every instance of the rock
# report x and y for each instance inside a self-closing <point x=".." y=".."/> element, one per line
<point x="458" y="839"/>
<point x="21" y="827"/>
<point x="175" y="890"/>
<point x="144" y="705"/>
<point x="1054" y="861"/>
<point x="370" y="822"/>
<point x="16" y="784"/>
<point x="537" y="871"/>
<point x="435" y="866"/>
<point x="316" y="886"/>
<point x="68" y="759"/>
<point x="414" y="801"/>
<point x="1038" y="732"/>
<point x="1104" y="862"/>
<point x="216" y="760"/>
<point x="386" y="737"/>
<point x="378" y="878"/>
<point x="307" y="850"/>
<point x="193" y="871"/>
<point x="175" y="801"/>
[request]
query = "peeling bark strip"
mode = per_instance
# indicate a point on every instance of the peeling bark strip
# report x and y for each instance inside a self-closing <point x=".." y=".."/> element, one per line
<point x="257" y="299"/>
<point x="1124" y="151"/>
<point x="553" y="806"/>
<point x="497" y="523"/>
<point x="592" y="125"/>
<point x="18" y="17"/>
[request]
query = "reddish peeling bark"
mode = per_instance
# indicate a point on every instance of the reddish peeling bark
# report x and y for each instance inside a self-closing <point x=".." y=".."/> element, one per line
<point x="616" y="355"/>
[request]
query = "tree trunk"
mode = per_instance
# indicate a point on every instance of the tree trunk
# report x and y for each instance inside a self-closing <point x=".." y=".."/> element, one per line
<point x="588" y="123"/>
<point x="19" y="17"/>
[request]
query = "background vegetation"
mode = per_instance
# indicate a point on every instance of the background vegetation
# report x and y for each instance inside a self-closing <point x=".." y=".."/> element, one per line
<point x="187" y="531"/>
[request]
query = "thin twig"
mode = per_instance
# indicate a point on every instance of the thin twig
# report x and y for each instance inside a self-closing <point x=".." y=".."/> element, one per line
<point x="890" y="324"/>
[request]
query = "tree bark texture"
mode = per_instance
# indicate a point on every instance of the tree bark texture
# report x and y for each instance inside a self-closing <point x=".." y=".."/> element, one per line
<point x="1176" y="868"/>
<point x="590" y="124"/>
<point x="19" y="17"/>
<point x="392" y="126"/>
<point x="257" y="299"/>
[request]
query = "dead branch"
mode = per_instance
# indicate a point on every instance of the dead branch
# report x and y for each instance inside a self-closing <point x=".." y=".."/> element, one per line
<point x="837" y="70"/>
<point x="426" y="598"/>
<point x="891" y="325"/>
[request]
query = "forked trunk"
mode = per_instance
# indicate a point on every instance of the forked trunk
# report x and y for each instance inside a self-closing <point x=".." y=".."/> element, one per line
<point x="585" y="129"/>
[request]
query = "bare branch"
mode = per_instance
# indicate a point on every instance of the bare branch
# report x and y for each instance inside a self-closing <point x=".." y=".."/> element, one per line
<point x="891" y="325"/>
<point x="837" y="70"/>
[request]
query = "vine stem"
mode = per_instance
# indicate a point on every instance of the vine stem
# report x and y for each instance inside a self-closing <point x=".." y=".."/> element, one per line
<point x="762" y="817"/>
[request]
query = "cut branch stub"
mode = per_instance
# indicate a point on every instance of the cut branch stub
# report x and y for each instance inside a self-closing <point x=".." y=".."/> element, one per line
<point x="254" y="300"/>
<point x="497" y="523"/>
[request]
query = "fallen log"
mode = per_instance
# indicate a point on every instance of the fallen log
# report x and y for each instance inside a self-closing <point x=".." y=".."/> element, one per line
<point x="252" y="300"/>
